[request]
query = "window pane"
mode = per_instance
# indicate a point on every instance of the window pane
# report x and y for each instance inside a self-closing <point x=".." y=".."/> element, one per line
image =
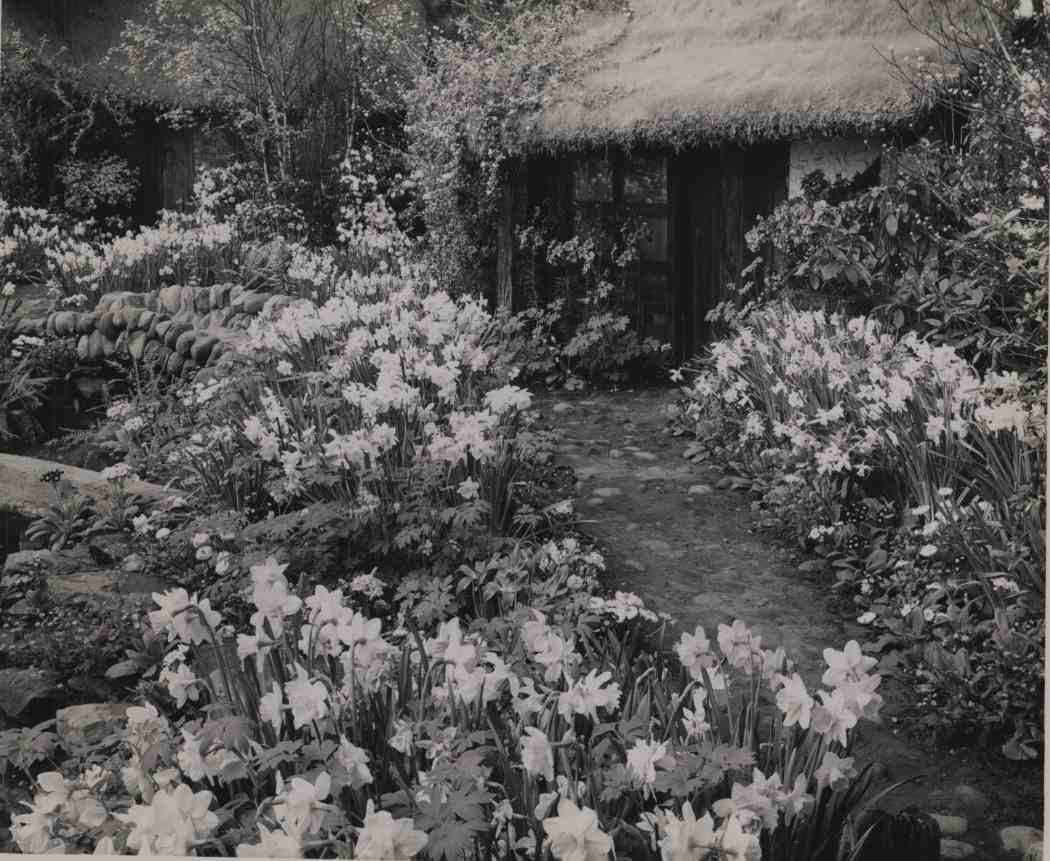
<point x="653" y="243"/>
<point x="645" y="180"/>
<point x="592" y="181"/>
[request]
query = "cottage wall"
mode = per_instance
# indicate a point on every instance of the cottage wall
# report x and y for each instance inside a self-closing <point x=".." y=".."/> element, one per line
<point x="842" y="158"/>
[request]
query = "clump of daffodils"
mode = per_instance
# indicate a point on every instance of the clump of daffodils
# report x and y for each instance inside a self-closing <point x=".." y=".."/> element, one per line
<point x="348" y="733"/>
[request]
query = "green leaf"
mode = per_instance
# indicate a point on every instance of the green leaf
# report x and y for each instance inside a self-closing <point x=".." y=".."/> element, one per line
<point x="891" y="224"/>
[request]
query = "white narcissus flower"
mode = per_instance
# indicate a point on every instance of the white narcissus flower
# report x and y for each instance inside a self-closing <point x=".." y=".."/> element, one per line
<point x="33" y="834"/>
<point x="272" y="844"/>
<point x="402" y="738"/>
<point x="383" y="837"/>
<point x="741" y="648"/>
<point x="688" y="838"/>
<point x="795" y="702"/>
<point x="190" y="759"/>
<point x="308" y="700"/>
<point x="537" y="756"/>
<point x="171" y="823"/>
<point x="181" y="684"/>
<point x="585" y="697"/>
<point x="353" y="760"/>
<point x="200" y="539"/>
<point x="833" y="717"/>
<point x="298" y="808"/>
<point x="642" y="760"/>
<point x="270" y="707"/>
<point x="694" y="651"/>
<point x="468" y="489"/>
<point x="835" y="771"/>
<point x="736" y="844"/>
<point x="575" y="835"/>
<point x="851" y="664"/>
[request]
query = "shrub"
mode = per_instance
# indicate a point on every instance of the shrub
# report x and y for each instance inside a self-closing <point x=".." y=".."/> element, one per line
<point x="830" y="414"/>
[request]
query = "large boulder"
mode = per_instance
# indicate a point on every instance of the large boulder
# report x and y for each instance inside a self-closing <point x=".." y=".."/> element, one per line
<point x="26" y="494"/>
<point x="86" y="726"/>
<point x="22" y="561"/>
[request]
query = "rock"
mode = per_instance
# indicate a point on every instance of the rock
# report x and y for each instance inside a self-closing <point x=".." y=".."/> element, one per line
<point x="955" y="849"/>
<point x="137" y="345"/>
<point x="1020" y="838"/>
<point x="25" y="493"/>
<point x="109" y="347"/>
<point x="175" y="331"/>
<point x="133" y="562"/>
<point x="89" y="583"/>
<point x="144" y="320"/>
<point x="107" y="325"/>
<point x="700" y="489"/>
<point x="161" y="327"/>
<point x="202" y="300"/>
<point x="20" y="687"/>
<point x="951" y="826"/>
<point x="644" y="455"/>
<point x="170" y="299"/>
<point x="64" y="323"/>
<point x="724" y="483"/>
<point x="634" y="564"/>
<point x="86" y="726"/>
<point x="190" y="368"/>
<point x="86" y="322"/>
<point x="615" y="452"/>
<point x="217" y="352"/>
<point x="131" y="317"/>
<point x="606" y="492"/>
<point x="184" y="343"/>
<point x="962" y="800"/>
<point x="120" y="346"/>
<point x="219" y="295"/>
<point x="123" y="316"/>
<point x="21" y="608"/>
<point x="154" y="353"/>
<point x="236" y="298"/>
<point x="254" y="303"/>
<point x="562" y="407"/>
<point x="174" y="363"/>
<point x="30" y="326"/>
<point x="83" y="347"/>
<point x="276" y="303"/>
<point x="200" y="352"/>
<point x="22" y="561"/>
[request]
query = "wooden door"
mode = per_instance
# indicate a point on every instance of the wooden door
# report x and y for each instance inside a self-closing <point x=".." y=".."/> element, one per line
<point x="717" y="194"/>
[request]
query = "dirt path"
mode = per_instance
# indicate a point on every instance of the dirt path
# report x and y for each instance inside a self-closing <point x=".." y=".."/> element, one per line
<point x="696" y="552"/>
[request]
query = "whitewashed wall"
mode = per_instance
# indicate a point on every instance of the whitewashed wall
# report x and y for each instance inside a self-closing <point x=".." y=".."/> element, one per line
<point x="841" y="158"/>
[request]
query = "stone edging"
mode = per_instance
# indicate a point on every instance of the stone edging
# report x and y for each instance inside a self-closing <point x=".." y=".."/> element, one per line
<point x="176" y="329"/>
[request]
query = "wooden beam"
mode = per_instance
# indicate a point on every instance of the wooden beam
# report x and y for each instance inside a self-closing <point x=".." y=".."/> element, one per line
<point x="511" y="208"/>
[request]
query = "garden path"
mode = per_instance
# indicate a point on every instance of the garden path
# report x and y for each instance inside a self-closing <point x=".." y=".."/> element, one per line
<point x="695" y="551"/>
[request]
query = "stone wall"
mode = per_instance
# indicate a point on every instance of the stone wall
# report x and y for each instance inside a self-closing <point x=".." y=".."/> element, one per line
<point x="841" y="158"/>
<point x="177" y="329"/>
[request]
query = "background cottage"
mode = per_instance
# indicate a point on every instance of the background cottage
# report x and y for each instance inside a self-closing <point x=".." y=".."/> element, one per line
<point x="698" y="116"/>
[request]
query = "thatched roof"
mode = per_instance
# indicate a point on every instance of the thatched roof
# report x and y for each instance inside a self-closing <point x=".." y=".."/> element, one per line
<point x="675" y="72"/>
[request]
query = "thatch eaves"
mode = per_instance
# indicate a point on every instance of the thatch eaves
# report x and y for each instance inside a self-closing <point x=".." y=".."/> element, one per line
<point x="680" y="72"/>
